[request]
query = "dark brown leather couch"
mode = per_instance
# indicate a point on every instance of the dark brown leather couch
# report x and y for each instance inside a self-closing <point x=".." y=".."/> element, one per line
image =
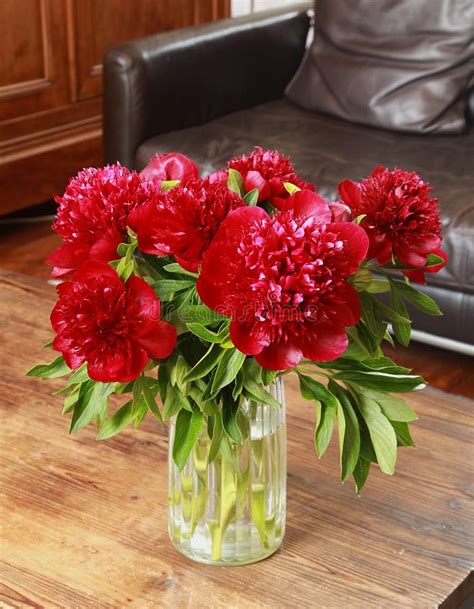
<point x="216" y="90"/>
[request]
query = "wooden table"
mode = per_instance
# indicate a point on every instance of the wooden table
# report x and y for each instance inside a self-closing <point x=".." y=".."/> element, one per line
<point x="84" y="523"/>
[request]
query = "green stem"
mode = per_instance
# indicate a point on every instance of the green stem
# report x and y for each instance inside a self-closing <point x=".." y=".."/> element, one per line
<point x="226" y="508"/>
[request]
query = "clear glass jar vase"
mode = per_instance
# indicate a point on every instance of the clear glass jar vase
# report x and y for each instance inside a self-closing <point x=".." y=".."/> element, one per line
<point x="232" y="511"/>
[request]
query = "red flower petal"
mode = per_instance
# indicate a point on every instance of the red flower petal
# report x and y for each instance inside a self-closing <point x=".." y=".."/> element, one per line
<point x="279" y="356"/>
<point x="117" y="365"/>
<point x="159" y="340"/>
<point x="142" y="301"/>
<point x="249" y="338"/>
<point x="307" y="204"/>
<point x="322" y="343"/>
<point x="400" y="217"/>
<point x="95" y="269"/>
<point x="67" y="257"/>
<point x="105" y="248"/>
<point x="356" y="242"/>
<point x="112" y="326"/>
<point x="184" y="221"/>
<point x="171" y="166"/>
<point x="254" y="179"/>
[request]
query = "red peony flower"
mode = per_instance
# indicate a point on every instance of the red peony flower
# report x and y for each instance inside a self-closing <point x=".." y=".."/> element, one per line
<point x="400" y="217"/>
<point x="112" y="326"/>
<point x="172" y="166"/>
<point x="284" y="281"/>
<point x="92" y="215"/>
<point x="268" y="170"/>
<point x="184" y="220"/>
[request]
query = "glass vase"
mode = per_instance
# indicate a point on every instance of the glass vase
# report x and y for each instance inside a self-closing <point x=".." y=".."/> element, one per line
<point x="232" y="511"/>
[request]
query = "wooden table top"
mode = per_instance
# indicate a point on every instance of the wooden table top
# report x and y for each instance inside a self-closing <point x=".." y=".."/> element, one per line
<point x="84" y="523"/>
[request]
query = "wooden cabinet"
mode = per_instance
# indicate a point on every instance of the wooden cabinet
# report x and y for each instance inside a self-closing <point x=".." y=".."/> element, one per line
<point x="51" y="82"/>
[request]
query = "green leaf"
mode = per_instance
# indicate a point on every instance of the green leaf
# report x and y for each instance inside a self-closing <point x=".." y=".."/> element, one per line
<point x="361" y="280"/>
<point x="173" y="403"/>
<point x="174" y="267"/>
<point x="389" y="313"/>
<point x="382" y="363"/>
<point x="375" y="326"/>
<point x="208" y="335"/>
<point x="48" y="344"/>
<point x="268" y="376"/>
<point x="324" y="427"/>
<point x="70" y="401"/>
<point x="381" y="433"/>
<point x="207" y="362"/>
<point x="166" y="288"/>
<point x="79" y="376"/>
<point x="357" y="347"/>
<point x="217" y="433"/>
<point x="251" y="198"/>
<point x="238" y="385"/>
<point x="378" y="286"/>
<point x="125" y="268"/>
<point x="235" y="182"/>
<point x="402" y="330"/>
<point x="382" y="381"/>
<point x="199" y="314"/>
<point x="91" y="404"/>
<point x="229" y="454"/>
<point x="433" y="260"/>
<point x="168" y="184"/>
<point x="360" y="474"/>
<point x="229" y="365"/>
<point x="150" y="400"/>
<point x="349" y="434"/>
<point x="117" y="422"/>
<point x="54" y="369"/>
<point x="314" y="390"/>
<point x="421" y="301"/>
<point x="255" y="391"/>
<point x="188" y="427"/>
<point x="162" y="381"/>
<point x="291" y="188"/>
<point x="403" y="434"/>
<point x="394" y="408"/>
<point x="234" y="422"/>
<point x="326" y="408"/>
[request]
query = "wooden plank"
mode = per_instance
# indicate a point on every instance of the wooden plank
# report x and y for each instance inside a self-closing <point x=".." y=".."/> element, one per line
<point x="84" y="523"/>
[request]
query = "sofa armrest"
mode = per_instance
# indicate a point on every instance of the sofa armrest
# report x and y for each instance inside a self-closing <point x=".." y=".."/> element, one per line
<point x="189" y="76"/>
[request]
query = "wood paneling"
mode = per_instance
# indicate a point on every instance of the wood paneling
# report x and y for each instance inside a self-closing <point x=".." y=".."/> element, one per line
<point x="85" y="521"/>
<point x="51" y="82"/>
<point x="106" y="23"/>
<point x="34" y="57"/>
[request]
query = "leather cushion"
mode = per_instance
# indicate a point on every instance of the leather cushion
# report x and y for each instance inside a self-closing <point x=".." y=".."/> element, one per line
<point x="326" y="150"/>
<point x="401" y="65"/>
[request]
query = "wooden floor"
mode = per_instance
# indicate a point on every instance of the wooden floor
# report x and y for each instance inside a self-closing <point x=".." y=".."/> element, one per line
<point x="23" y="248"/>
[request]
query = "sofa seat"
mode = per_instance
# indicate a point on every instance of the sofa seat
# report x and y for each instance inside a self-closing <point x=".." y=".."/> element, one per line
<point x="325" y="150"/>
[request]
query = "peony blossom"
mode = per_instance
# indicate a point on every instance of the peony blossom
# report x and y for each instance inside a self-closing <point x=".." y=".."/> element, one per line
<point x="268" y="170"/>
<point x="114" y="327"/>
<point x="172" y="166"/>
<point x="283" y="280"/>
<point x="183" y="221"/>
<point x="92" y="215"/>
<point x="400" y="217"/>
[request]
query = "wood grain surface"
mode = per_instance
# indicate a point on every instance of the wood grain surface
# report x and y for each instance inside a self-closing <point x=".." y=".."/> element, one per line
<point x="84" y="523"/>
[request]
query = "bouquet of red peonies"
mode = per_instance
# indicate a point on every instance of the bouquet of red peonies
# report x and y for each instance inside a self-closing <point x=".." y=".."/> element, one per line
<point x="207" y="291"/>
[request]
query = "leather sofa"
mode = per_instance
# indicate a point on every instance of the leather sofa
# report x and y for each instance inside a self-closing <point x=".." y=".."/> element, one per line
<point x="216" y="90"/>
